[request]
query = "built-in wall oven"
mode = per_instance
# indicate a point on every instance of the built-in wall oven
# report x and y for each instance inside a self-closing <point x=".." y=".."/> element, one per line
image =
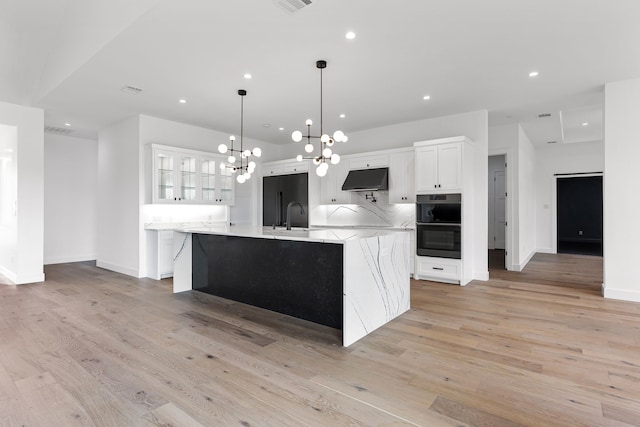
<point x="438" y="225"/>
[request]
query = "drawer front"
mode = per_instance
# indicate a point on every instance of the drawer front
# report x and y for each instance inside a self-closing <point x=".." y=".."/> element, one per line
<point x="296" y="167"/>
<point x="434" y="268"/>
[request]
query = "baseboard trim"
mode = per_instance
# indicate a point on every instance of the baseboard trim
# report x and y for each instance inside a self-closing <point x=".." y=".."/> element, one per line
<point x="118" y="268"/>
<point x="520" y="267"/>
<point x="69" y="258"/>
<point x="22" y="279"/>
<point x="545" y="250"/>
<point x="483" y="275"/>
<point x="621" y="294"/>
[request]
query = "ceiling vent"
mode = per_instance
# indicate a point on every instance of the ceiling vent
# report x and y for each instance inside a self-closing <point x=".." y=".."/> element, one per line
<point x="58" y="131"/>
<point x="552" y="142"/>
<point x="543" y="115"/>
<point x="131" y="89"/>
<point x="292" y="6"/>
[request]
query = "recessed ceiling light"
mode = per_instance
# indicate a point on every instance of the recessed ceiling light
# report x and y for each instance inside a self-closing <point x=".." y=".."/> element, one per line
<point x="266" y="125"/>
<point x="585" y="124"/>
<point x="182" y="101"/>
<point x="533" y="74"/>
<point x="426" y="97"/>
<point x="342" y="116"/>
<point x="67" y="124"/>
<point x="247" y="76"/>
<point x="350" y="35"/>
<point x="280" y="128"/>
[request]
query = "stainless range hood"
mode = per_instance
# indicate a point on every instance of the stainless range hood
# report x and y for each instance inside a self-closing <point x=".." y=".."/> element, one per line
<point x="367" y="180"/>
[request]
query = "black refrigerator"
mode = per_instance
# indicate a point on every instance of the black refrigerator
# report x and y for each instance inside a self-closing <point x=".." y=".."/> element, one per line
<point x="277" y="192"/>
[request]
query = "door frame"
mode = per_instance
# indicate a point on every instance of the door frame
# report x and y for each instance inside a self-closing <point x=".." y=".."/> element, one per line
<point x="509" y="237"/>
<point x="554" y="202"/>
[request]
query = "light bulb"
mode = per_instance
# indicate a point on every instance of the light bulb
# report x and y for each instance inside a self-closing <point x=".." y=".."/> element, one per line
<point x="308" y="148"/>
<point x="246" y="153"/>
<point x="320" y="171"/>
<point x="308" y="122"/>
<point x="252" y="164"/>
<point x="232" y="138"/>
<point x="316" y="161"/>
<point x="296" y="135"/>
<point x="247" y="175"/>
<point x="231" y="159"/>
<point x="324" y="166"/>
<point x="240" y="179"/>
<point x="327" y="152"/>
<point x="324" y="138"/>
<point x="299" y="157"/>
<point x="338" y="135"/>
<point x="222" y="166"/>
<point x="222" y="148"/>
<point x="330" y="142"/>
<point x="257" y="152"/>
<point x="335" y="158"/>
<point x="345" y="138"/>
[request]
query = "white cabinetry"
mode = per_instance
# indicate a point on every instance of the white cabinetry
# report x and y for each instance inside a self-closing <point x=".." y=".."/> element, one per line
<point x="368" y="162"/>
<point x="331" y="185"/>
<point x="160" y="254"/>
<point x="189" y="176"/>
<point x="438" y="167"/>
<point x="438" y="269"/>
<point x="402" y="177"/>
<point x="285" y="167"/>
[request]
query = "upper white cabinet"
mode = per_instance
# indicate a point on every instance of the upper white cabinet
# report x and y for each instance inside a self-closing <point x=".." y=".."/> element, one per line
<point x="439" y="165"/>
<point x="402" y="177"/>
<point x="368" y="162"/>
<point x="284" y="167"/>
<point x="331" y="185"/>
<point x="188" y="176"/>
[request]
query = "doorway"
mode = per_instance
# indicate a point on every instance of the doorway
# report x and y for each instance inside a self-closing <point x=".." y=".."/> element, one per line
<point x="579" y="215"/>
<point x="497" y="204"/>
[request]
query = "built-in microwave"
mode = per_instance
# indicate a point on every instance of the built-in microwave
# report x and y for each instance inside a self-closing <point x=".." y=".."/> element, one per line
<point x="438" y="225"/>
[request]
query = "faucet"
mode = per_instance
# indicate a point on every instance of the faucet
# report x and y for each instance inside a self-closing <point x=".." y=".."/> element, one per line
<point x="289" y="212"/>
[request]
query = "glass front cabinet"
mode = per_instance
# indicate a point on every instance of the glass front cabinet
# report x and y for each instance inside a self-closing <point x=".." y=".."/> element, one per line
<point x="187" y="176"/>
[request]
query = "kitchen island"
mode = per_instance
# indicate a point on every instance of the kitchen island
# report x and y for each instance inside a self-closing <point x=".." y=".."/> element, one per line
<point x="352" y="280"/>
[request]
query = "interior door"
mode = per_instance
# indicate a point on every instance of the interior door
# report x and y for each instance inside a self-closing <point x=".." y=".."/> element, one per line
<point x="499" y="209"/>
<point x="579" y="214"/>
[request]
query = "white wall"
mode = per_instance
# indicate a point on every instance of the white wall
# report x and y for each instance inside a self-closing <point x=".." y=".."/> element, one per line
<point x="621" y="203"/>
<point x="70" y="199"/>
<point x="119" y="197"/>
<point x="22" y="253"/>
<point x="473" y="125"/>
<point x="554" y="159"/>
<point x="526" y="199"/>
<point x="8" y="198"/>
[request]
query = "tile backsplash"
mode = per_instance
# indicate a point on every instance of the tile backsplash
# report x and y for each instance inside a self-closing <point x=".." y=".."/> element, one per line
<point x="184" y="213"/>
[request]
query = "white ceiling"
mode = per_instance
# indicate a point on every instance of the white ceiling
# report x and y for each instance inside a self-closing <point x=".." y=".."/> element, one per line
<point x="71" y="57"/>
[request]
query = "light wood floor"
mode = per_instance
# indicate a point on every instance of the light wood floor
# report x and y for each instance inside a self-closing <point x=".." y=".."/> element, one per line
<point x="540" y="348"/>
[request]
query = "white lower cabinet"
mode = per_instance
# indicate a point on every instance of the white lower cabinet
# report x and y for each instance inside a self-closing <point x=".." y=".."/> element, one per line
<point x="159" y="254"/>
<point x="438" y="269"/>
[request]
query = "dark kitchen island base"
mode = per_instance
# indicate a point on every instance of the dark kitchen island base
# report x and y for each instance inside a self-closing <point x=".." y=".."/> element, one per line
<point x="298" y="278"/>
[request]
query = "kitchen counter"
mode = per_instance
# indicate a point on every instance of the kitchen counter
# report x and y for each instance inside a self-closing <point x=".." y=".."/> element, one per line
<point x="349" y="279"/>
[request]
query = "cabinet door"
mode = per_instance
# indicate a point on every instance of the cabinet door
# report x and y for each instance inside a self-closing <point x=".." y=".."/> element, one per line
<point x="226" y="185"/>
<point x="165" y="253"/>
<point x="187" y="178"/>
<point x="450" y="167"/>
<point x="164" y="177"/>
<point x="208" y="170"/>
<point x="402" y="177"/>
<point x="368" y="162"/>
<point x="426" y="169"/>
<point x="331" y="185"/>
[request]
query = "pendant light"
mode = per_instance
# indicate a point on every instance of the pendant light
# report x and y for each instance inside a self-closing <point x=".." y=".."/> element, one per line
<point x="326" y="153"/>
<point x="245" y="167"/>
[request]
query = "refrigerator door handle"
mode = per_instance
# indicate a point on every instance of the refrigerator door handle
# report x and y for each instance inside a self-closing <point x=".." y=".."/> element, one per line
<point x="279" y="208"/>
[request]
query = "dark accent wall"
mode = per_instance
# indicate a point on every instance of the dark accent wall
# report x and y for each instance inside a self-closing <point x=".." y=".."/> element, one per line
<point x="579" y="204"/>
<point x="300" y="279"/>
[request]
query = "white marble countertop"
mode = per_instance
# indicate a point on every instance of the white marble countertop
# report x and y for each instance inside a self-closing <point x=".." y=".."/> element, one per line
<point x="157" y="226"/>
<point x="367" y="227"/>
<point x="322" y="235"/>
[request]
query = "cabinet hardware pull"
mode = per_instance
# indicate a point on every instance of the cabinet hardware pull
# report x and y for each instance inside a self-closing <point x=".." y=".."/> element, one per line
<point x="438" y="268"/>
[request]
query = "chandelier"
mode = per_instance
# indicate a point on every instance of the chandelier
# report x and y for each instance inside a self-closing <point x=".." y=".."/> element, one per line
<point x="326" y="142"/>
<point x="244" y="167"/>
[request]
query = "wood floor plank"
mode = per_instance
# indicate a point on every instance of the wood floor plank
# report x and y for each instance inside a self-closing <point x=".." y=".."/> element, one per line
<point x="538" y="347"/>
